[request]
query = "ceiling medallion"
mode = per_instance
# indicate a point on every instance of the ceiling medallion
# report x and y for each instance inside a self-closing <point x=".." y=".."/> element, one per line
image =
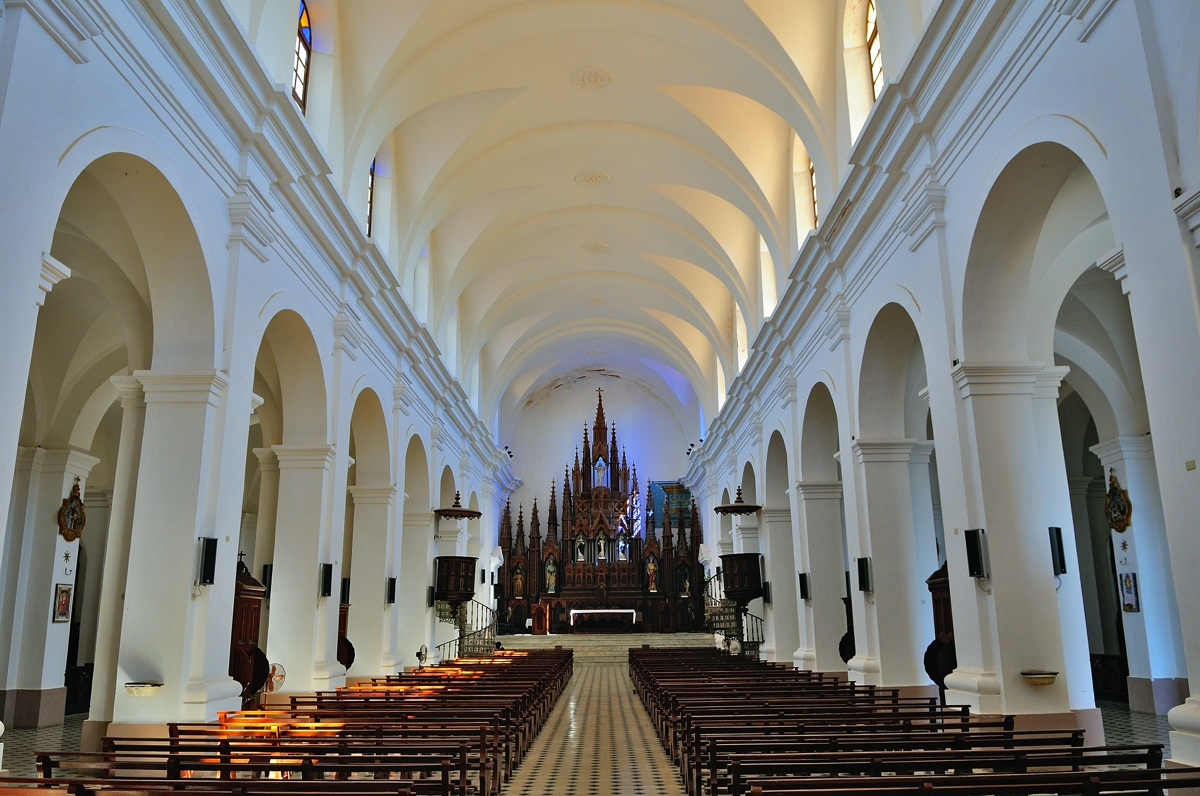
<point x="596" y="301"/>
<point x="596" y="247"/>
<point x="592" y="78"/>
<point x="593" y="178"/>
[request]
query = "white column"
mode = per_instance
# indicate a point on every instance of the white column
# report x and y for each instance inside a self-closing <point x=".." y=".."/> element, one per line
<point x="264" y="533"/>
<point x="303" y="634"/>
<point x="924" y="535"/>
<point x="1153" y="640"/>
<point x="782" y="617"/>
<point x="1056" y="493"/>
<point x="822" y="558"/>
<point x="1016" y="625"/>
<point x="164" y="611"/>
<point x="37" y="695"/>
<point x="367" y="622"/>
<point x="416" y="573"/>
<point x="116" y="561"/>
<point x="894" y="629"/>
<point x="1082" y="531"/>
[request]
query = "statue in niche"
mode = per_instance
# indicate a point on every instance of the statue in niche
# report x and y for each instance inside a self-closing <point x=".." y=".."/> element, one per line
<point x="652" y="574"/>
<point x="519" y="584"/>
<point x="685" y="583"/>
<point x="580" y="549"/>
<point x="601" y="547"/>
<point x="622" y="547"/>
<point x="551" y="576"/>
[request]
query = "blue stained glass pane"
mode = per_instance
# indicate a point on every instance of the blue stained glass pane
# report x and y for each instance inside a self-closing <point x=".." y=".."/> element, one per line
<point x="305" y="27"/>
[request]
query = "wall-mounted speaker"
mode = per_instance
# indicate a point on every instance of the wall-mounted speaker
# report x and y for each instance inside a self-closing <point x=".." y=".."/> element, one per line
<point x="978" y="563"/>
<point x="805" y="594"/>
<point x="268" y="571"/>
<point x="430" y="597"/>
<point x="483" y="576"/>
<point x="766" y="590"/>
<point x="389" y="591"/>
<point x="324" y="580"/>
<point x="1058" y="555"/>
<point x="208" y="561"/>
<point x="866" y="576"/>
<point x="498" y="591"/>
<point x="345" y="591"/>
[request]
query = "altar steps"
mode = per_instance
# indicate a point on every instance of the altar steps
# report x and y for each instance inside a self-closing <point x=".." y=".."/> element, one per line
<point x="606" y="648"/>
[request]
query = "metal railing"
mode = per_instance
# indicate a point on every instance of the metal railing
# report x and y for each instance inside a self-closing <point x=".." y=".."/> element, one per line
<point x="476" y="638"/>
<point x="721" y="616"/>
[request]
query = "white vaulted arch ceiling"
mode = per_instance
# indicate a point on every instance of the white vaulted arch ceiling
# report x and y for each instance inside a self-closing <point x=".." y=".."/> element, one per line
<point x="593" y="187"/>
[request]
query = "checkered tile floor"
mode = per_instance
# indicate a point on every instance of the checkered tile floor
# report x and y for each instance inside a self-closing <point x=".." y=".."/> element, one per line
<point x="20" y="745"/>
<point x="598" y="740"/>
<point x="1121" y="726"/>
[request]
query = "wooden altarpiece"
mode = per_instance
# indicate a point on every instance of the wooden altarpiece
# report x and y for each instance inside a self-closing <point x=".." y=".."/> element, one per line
<point x="648" y="580"/>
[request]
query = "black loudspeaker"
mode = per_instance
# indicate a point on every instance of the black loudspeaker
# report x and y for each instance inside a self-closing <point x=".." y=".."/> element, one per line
<point x="805" y="594"/>
<point x="389" y="591"/>
<point x="268" y="571"/>
<point x="208" y="561"/>
<point x="978" y="565"/>
<point x="345" y="591"/>
<point x="483" y="576"/>
<point x="325" y="580"/>
<point x="866" y="577"/>
<point x="430" y="597"/>
<point x="1057" y="555"/>
<point x="766" y="590"/>
<point x="498" y="591"/>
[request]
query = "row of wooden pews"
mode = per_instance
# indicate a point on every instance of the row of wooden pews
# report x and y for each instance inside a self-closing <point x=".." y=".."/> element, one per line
<point x="737" y="726"/>
<point x="457" y="729"/>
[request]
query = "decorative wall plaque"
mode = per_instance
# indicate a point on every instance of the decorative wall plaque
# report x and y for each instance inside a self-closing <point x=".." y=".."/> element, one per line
<point x="1117" y="507"/>
<point x="71" y="517"/>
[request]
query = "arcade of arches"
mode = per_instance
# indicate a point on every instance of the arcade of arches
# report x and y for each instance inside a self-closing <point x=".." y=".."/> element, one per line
<point x="920" y="277"/>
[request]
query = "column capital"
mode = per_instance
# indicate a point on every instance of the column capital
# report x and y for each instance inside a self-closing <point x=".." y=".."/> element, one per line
<point x="1118" y="449"/>
<point x="819" y="490"/>
<point x="129" y="388"/>
<point x="372" y="494"/>
<point x="1114" y="263"/>
<point x="69" y="461"/>
<point x="1079" y="484"/>
<point x="301" y="458"/>
<point x="1047" y="382"/>
<point x="182" y="386"/>
<point x="922" y="451"/>
<point x="996" y="378"/>
<point x="53" y="272"/>
<point x="883" y="450"/>
<point x="267" y="458"/>
<point x="776" y="513"/>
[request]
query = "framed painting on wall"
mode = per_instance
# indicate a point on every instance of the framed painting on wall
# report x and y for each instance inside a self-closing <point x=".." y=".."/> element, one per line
<point x="1129" y="592"/>
<point x="62" y="602"/>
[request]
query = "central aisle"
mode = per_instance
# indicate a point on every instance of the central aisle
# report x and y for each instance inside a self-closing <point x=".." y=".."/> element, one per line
<point x="598" y="741"/>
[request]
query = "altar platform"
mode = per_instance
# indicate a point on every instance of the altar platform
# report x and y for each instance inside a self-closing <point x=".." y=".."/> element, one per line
<point x="606" y="648"/>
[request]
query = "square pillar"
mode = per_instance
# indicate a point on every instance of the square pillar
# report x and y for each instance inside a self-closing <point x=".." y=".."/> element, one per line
<point x="36" y="693"/>
<point x="1153" y="639"/>
<point x="303" y="635"/>
<point x="782" y="615"/>
<point x="165" y="612"/>
<point x="370" y="565"/>
<point x="824" y="616"/>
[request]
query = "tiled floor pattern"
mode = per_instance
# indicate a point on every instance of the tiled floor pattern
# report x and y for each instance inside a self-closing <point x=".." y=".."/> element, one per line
<point x="598" y="740"/>
<point x="21" y="744"/>
<point x="1123" y="727"/>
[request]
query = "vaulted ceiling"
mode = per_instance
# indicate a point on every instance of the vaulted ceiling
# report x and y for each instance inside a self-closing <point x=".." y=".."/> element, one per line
<point x="567" y="187"/>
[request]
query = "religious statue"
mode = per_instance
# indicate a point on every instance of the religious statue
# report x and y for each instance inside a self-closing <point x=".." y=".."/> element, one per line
<point x="71" y="517"/>
<point x="601" y="546"/>
<point x="1117" y="508"/>
<point x="518" y="585"/>
<point x="622" y="548"/>
<point x="580" y="548"/>
<point x="685" y="583"/>
<point x="652" y="574"/>
<point x="551" y="576"/>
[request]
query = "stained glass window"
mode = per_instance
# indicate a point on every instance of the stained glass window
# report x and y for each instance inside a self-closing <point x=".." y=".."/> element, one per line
<point x="873" y="50"/>
<point x="370" y="197"/>
<point x="303" y="62"/>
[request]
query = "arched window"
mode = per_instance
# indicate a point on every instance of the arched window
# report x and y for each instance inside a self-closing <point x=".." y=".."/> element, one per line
<point x="370" y="197"/>
<point x="812" y="183"/>
<point x="873" y="50"/>
<point x="303" y="60"/>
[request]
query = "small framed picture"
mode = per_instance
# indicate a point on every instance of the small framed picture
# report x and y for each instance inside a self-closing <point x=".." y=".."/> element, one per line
<point x="1129" y="592"/>
<point x="62" y="602"/>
